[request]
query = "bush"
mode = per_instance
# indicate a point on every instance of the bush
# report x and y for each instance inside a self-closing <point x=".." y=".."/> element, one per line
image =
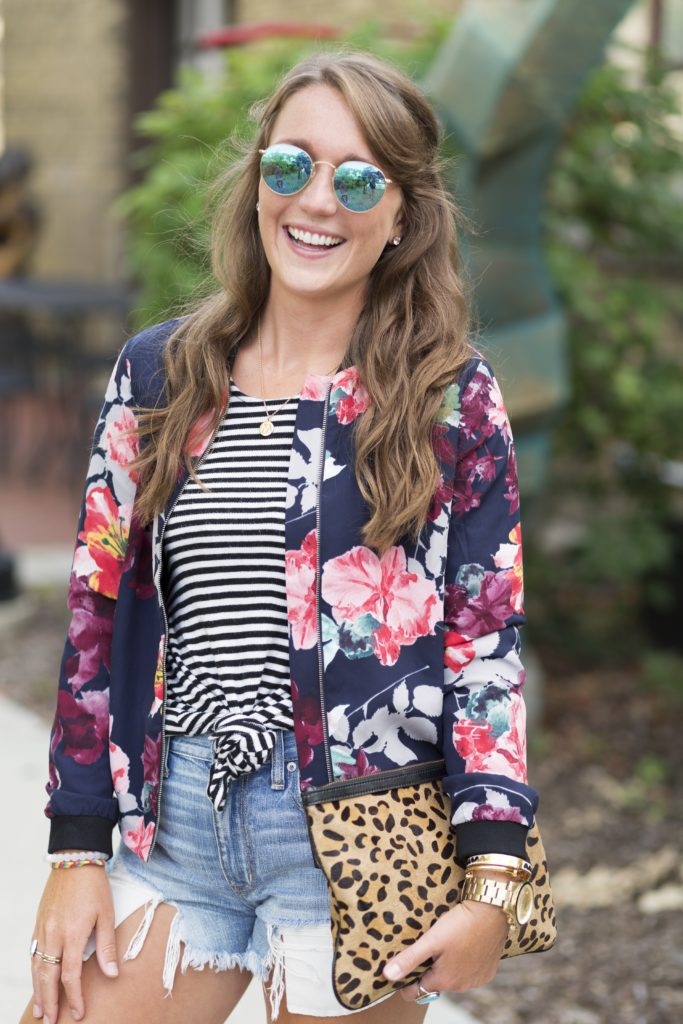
<point x="615" y="243"/>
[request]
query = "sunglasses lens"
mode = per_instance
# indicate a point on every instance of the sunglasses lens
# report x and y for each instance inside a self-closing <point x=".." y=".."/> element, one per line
<point x="285" y="169"/>
<point x="359" y="186"/>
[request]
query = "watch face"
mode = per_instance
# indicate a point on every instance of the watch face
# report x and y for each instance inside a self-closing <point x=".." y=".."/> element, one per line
<point x="525" y="903"/>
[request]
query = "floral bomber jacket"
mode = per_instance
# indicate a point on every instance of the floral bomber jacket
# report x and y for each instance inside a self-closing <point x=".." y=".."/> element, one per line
<point x="395" y="660"/>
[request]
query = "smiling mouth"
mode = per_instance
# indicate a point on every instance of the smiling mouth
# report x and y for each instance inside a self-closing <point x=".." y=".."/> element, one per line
<point x="312" y="238"/>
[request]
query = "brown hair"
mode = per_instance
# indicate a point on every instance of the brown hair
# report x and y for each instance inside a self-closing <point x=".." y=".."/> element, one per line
<point x="409" y="342"/>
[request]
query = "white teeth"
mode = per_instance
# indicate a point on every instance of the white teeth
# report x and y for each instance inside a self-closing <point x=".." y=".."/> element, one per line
<point x="312" y="238"/>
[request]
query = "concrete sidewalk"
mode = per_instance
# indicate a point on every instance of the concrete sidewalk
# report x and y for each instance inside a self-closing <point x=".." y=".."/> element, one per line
<point x="23" y="765"/>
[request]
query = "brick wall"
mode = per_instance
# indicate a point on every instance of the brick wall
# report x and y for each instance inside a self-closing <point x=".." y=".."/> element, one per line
<point x="65" y="101"/>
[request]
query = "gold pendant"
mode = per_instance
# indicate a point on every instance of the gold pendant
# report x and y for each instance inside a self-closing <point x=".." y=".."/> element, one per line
<point x="266" y="428"/>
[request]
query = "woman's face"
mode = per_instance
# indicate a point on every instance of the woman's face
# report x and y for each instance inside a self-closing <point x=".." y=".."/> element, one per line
<point x="336" y="265"/>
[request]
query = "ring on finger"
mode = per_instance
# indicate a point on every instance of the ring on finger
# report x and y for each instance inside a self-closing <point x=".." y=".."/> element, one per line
<point x="425" y="996"/>
<point x="47" y="958"/>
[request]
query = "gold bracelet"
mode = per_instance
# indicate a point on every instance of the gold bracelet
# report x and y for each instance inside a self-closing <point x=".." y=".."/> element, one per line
<point x="483" y="866"/>
<point x="498" y="860"/>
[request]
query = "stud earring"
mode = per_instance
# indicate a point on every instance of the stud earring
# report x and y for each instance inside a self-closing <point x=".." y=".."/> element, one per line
<point x="396" y="241"/>
<point x="258" y="207"/>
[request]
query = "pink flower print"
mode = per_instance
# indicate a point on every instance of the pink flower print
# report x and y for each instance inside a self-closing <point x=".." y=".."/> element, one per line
<point x="458" y="651"/>
<point x="485" y="467"/>
<point x="455" y="601"/>
<point x="509" y="557"/>
<point x="482" y="751"/>
<point x="151" y="759"/>
<point x="140" y="838"/>
<point x="496" y="411"/>
<point x="403" y="604"/>
<point x="105" y="535"/>
<point x="121" y="440"/>
<point x="159" y="677"/>
<point x="512" y="491"/>
<point x="349" y="397"/>
<point x="480" y="402"/>
<point x="442" y="444"/>
<point x="151" y="764"/>
<point x="119" y="763"/>
<point x="82" y="725"/>
<point x="200" y="432"/>
<point x="490" y="609"/>
<point x="315" y="387"/>
<point x="443" y="495"/>
<point x="473" y="741"/>
<point x="300" y="570"/>
<point x="89" y="633"/>
<point x="493" y="812"/>
<point x="385" y="645"/>
<point x="465" y="498"/>
<point x="513" y="743"/>
<point x="361" y="766"/>
<point x="308" y="725"/>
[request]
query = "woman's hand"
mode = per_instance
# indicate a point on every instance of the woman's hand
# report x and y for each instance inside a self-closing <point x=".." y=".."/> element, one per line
<point x="75" y="903"/>
<point x="465" y="946"/>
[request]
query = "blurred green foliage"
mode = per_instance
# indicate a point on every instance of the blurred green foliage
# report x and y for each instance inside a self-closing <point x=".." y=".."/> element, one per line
<point x="615" y="243"/>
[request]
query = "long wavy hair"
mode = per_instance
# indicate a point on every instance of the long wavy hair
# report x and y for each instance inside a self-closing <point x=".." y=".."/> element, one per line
<point x="409" y="342"/>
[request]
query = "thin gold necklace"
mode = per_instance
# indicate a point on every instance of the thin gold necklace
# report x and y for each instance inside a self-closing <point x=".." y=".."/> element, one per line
<point x="266" y="427"/>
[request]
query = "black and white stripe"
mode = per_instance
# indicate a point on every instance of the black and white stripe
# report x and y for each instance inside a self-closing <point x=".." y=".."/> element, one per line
<point x="224" y="548"/>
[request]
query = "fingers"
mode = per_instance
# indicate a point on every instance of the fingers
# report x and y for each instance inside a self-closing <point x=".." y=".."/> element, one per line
<point x="72" y="968"/>
<point x="463" y="949"/>
<point x="45" y="976"/>
<point x="73" y="905"/>
<point x="409" y="960"/>
<point x="106" y="948"/>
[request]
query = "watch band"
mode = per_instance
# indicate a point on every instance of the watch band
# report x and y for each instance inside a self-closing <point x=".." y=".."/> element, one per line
<point x="515" y="898"/>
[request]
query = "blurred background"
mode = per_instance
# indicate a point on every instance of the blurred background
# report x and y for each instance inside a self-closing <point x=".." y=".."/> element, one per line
<point x="564" y="129"/>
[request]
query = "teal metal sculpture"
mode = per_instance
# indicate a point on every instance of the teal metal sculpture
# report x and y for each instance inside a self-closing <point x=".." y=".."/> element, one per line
<point x="504" y="83"/>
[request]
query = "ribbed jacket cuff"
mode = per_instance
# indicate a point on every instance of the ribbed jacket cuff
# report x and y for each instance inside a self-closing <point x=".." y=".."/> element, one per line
<point x="80" y="833"/>
<point x="473" y="837"/>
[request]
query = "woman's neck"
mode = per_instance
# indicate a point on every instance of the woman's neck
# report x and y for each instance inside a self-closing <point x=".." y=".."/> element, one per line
<point x="295" y="340"/>
<point x="312" y="335"/>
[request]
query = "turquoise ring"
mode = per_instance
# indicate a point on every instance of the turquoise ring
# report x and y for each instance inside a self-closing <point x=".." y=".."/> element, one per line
<point x="426" y="996"/>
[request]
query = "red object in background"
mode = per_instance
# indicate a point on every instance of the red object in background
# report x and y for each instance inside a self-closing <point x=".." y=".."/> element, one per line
<point x="238" y="35"/>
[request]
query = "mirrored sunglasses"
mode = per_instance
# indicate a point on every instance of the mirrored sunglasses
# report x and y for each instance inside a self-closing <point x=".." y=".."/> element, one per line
<point x="286" y="170"/>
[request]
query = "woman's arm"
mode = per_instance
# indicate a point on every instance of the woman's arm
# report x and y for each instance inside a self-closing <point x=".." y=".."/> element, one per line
<point x="484" y="741"/>
<point x="484" y="723"/>
<point x="81" y="802"/>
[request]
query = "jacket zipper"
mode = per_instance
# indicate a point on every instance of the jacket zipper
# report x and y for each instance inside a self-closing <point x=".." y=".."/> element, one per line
<point x="163" y="766"/>
<point x="318" y="613"/>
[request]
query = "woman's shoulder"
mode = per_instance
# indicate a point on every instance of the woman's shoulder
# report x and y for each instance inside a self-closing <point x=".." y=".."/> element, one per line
<point x="473" y="402"/>
<point x="142" y="361"/>
<point x="150" y="342"/>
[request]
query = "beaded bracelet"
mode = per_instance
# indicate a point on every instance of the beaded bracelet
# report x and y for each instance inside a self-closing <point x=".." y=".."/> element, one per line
<point x="76" y="859"/>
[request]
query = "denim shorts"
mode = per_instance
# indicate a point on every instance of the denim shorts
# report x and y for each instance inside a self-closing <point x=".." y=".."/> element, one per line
<point x="243" y="880"/>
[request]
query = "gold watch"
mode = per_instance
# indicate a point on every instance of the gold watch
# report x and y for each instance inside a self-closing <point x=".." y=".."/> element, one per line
<point x="516" y="899"/>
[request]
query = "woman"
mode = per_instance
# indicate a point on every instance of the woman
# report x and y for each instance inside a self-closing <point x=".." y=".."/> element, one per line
<point x="316" y="537"/>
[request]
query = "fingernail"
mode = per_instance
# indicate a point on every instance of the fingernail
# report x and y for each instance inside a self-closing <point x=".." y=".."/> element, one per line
<point x="392" y="971"/>
<point x="112" y="969"/>
<point x="37" y="1011"/>
<point x="76" y="1015"/>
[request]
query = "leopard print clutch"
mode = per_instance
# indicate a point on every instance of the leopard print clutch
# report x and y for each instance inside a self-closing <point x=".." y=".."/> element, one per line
<point x="387" y="850"/>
